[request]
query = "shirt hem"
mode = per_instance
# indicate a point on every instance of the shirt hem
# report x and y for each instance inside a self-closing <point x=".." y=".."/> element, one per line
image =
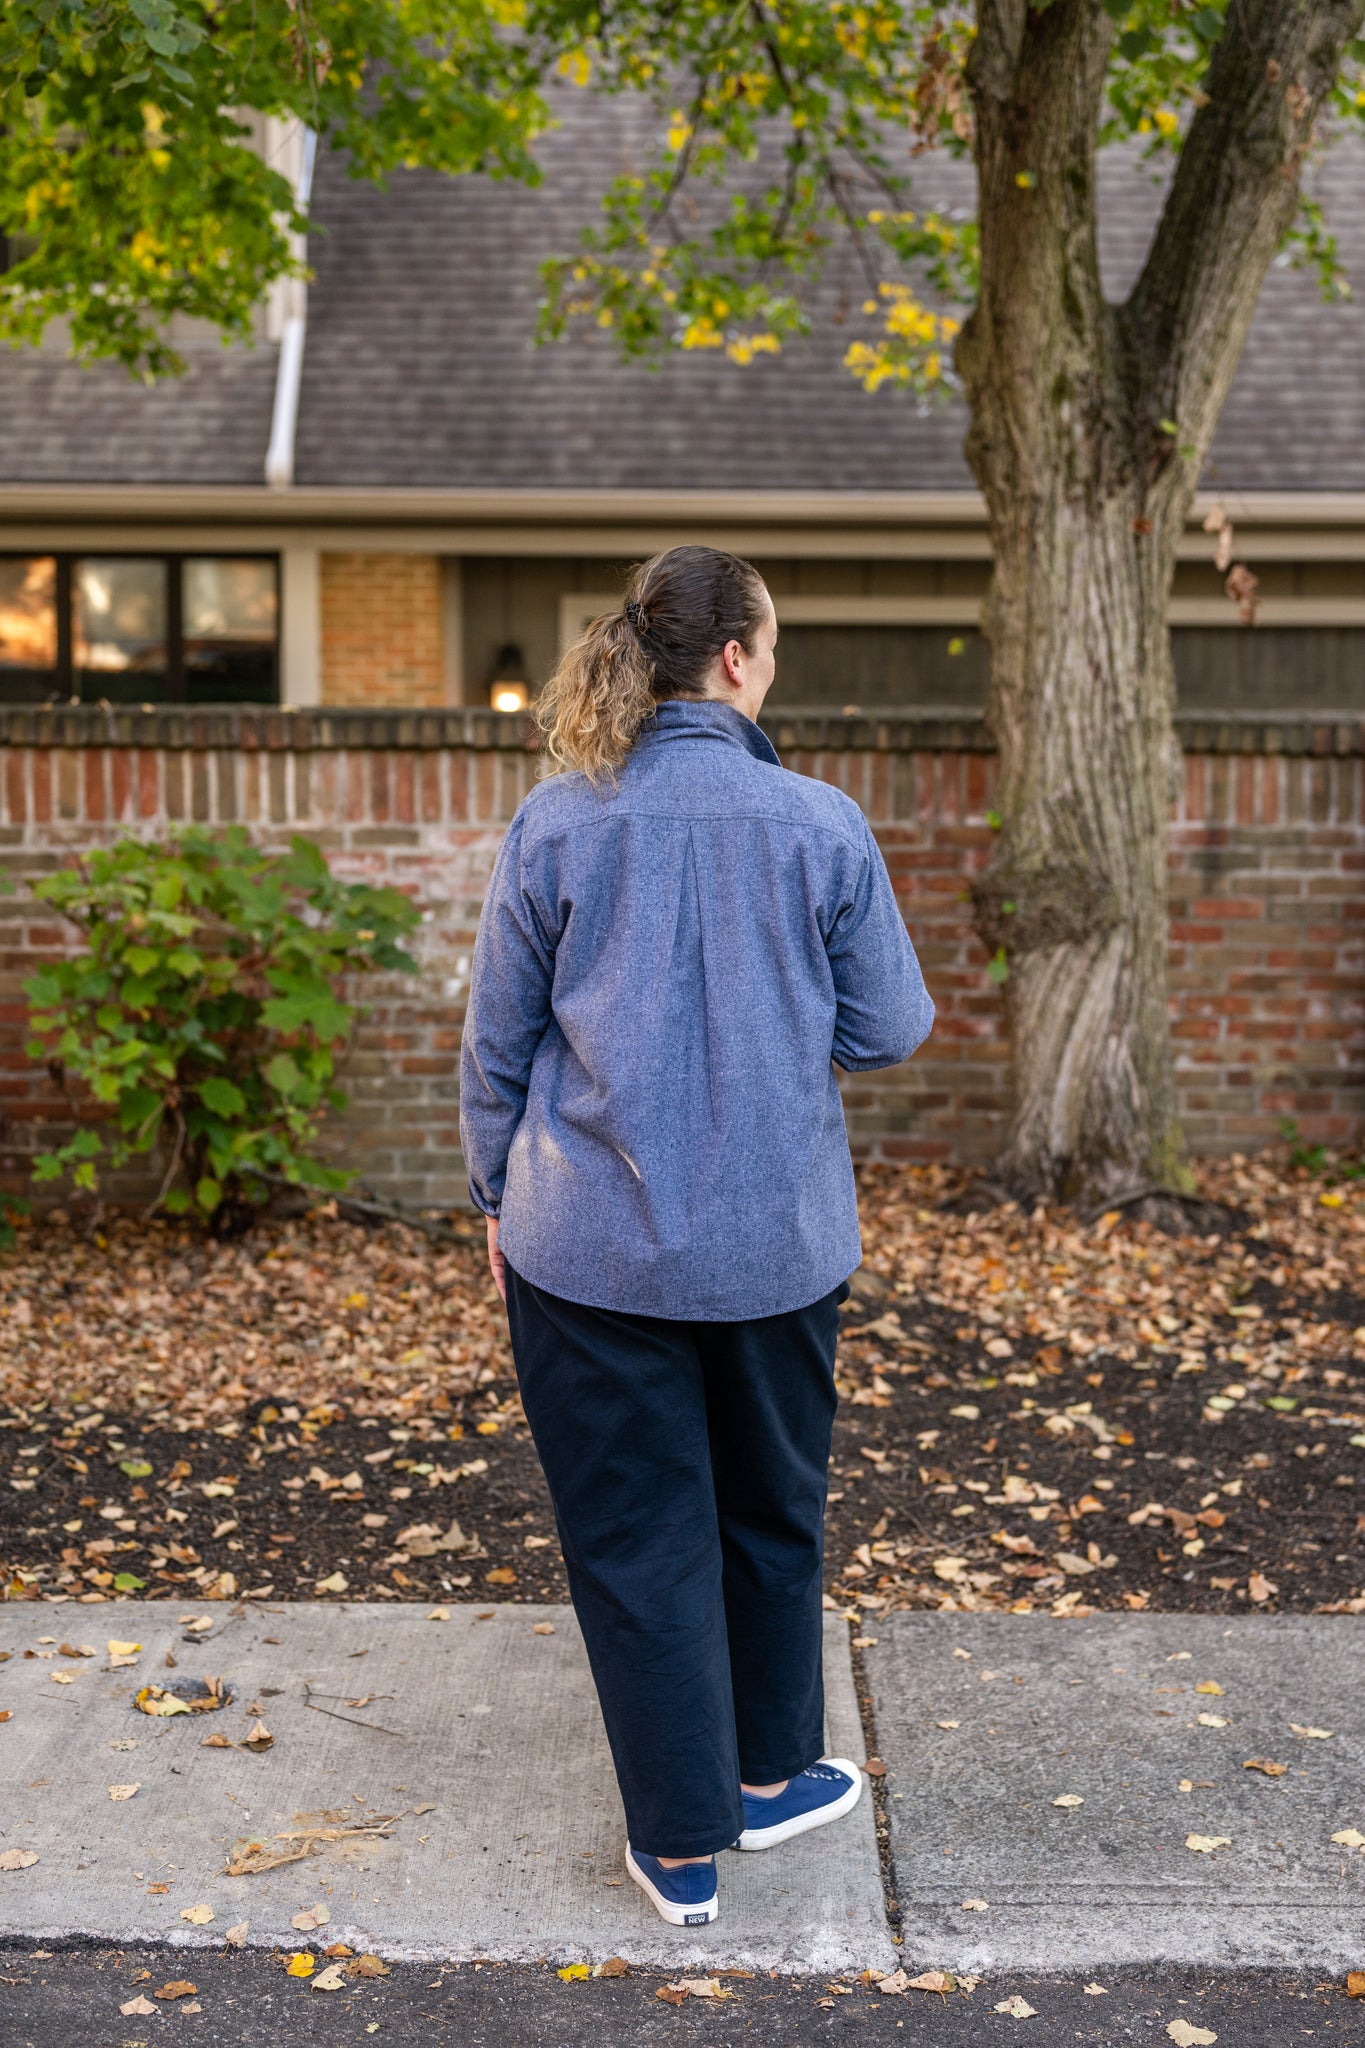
<point x="806" y="1297"/>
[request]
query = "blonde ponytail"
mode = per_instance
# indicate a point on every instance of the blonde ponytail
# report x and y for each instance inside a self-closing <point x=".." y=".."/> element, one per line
<point x="599" y="696"/>
<point x="680" y="610"/>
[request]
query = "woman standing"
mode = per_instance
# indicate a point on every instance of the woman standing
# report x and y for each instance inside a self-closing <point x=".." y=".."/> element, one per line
<point x="680" y="936"/>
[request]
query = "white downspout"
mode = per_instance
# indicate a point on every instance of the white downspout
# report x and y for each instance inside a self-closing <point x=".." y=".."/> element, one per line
<point x="279" y="456"/>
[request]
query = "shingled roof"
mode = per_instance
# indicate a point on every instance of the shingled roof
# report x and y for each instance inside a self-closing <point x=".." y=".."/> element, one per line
<point x="420" y="369"/>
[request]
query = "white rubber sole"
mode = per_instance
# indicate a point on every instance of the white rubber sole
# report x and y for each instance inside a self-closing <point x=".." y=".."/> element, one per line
<point x="669" y="1909"/>
<point x="783" y="1831"/>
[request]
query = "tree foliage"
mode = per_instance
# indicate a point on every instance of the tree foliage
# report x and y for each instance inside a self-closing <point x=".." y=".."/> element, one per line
<point x="784" y="126"/>
<point x="204" y="1014"/>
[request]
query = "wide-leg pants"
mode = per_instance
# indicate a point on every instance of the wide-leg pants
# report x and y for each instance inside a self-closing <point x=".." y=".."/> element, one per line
<point x="687" y="1464"/>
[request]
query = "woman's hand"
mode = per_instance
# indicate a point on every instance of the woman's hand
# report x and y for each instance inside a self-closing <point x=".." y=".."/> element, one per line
<point x="495" y="1260"/>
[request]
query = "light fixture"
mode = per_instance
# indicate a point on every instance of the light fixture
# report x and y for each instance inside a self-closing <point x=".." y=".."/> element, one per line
<point x="508" y="690"/>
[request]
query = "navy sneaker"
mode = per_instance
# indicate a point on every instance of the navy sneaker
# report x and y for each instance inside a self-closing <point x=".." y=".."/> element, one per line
<point x="685" y="1897"/>
<point x="824" y="1792"/>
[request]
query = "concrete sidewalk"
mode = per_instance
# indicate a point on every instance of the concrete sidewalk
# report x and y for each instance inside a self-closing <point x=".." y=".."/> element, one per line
<point x="483" y="1734"/>
<point x="987" y="1722"/>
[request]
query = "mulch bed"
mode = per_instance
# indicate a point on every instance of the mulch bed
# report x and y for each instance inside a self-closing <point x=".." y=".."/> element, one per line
<point x="1036" y="1412"/>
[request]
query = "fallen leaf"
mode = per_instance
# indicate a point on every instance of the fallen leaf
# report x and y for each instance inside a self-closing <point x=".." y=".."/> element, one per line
<point x="193" y="2006"/>
<point x="331" y="1979"/>
<point x="1204" y="1845"/>
<point x="501" y="1575"/>
<point x="123" y="1654"/>
<point x="1095" y="1990"/>
<point x="1018" y="2008"/>
<point x="1213" y="1720"/>
<point x="337" y="1948"/>
<point x="542" y="1628"/>
<point x="1262" y="1763"/>
<point x="874" y="1767"/>
<point x="1350" y="1838"/>
<point x="137" y="2008"/>
<point x="217" y="1742"/>
<point x="614" y="1966"/>
<point x="1310" y="1734"/>
<point x="572" y="1972"/>
<point x="439" y="1614"/>
<point x="1186" y="2035"/>
<point x="1069" y="1799"/>
<point x="1355" y="1984"/>
<point x="179" y="1987"/>
<point x="258" y="1737"/>
<point x="1260" y="1588"/>
<point x="198" y="1916"/>
<point x="123" y="1791"/>
<point x="975" y="1905"/>
<point x="1209" y="1685"/>
<point x="301" y="1965"/>
<point x="896" y="1982"/>
<point x="335" y="1582"/>
<point x="367" y="1966"/>
<point x="311" y="1917"/>
<point x="18" y="1859"/>
<point x="236" y="1936"/>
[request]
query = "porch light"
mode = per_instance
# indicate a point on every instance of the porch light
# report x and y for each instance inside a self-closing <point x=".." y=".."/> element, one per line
<point x="508" y="691"/>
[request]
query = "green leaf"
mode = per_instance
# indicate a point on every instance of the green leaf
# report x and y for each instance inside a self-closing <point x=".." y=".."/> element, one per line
<point x="136" y="1468"/>
<point x="176" y="1202"/>
<point x="128" y="1582"/>
<point x="1283" y="1402"/>
<point x="998" y="968"/>
<point x="141" y="960"/>
<point x="208" y="1193"/>
<point x="994" y="820"/>
<point x="224" y="1097"/>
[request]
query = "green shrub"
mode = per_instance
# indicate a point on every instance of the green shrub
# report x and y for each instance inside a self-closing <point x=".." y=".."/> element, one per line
<point x="204" y="1013"/>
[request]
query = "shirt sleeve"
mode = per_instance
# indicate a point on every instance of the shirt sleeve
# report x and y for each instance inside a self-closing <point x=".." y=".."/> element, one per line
<point x="884" y="1010"/>
<point x="506" y="1017"/>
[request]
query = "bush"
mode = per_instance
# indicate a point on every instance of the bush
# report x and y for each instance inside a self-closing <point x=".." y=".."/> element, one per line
<point x="204" y="1012"/>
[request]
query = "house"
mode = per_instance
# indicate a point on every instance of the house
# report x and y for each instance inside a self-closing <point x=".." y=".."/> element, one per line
<point x="283" y="588"/>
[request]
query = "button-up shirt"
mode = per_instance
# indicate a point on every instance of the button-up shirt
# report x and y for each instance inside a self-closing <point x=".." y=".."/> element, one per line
<point x="666" y="973"/>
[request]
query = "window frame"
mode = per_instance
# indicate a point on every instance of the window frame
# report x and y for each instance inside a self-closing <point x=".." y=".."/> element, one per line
<point x="65" y="674"/>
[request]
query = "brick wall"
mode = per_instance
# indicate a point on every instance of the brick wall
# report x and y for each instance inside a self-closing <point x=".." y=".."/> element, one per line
<point x="383" y="635"/>
<point x="1267" y="885"/>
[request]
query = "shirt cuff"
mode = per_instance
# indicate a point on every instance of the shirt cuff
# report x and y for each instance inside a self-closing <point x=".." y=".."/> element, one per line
<point x="493" y="1209"/>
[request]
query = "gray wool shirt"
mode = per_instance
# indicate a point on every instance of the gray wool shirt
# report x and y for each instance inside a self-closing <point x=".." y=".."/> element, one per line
<point x="665" y="974"/>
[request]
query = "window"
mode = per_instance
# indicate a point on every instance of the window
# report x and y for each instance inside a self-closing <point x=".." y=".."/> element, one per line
<point x="139" y="629"/>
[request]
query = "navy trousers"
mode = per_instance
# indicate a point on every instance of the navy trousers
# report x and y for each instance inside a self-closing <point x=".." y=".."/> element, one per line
<point x="687" y="1463"/>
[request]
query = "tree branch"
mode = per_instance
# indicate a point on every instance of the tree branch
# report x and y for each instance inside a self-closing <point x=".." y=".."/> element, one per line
<point x="1232" y="200"/>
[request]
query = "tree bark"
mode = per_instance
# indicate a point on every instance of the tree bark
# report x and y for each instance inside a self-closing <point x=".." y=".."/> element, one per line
<point x="1087" y="493"/>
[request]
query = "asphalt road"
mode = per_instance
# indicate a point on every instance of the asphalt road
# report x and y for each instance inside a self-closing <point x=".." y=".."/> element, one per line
<point x="52" y="1998"/>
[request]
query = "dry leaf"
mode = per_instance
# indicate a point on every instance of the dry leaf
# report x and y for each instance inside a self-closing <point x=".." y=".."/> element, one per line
<point x="18" y="1859"/>
<point x="1262" y="1763"/>
<point x="198" y="1916"/>
<point x="502" y="1575"/>
<point x="874" y="1767"/>
<point x="179" y="1987"/>
<point x="1355" y="1984"/>
<point x="614" y="1966"/>
<point x="941" y="1981"/>
<point x="1260" y="1588"/>
<point x="137" y="2008"/>
<point x="331" y="1979"/>
<point x="1350" y="1838"/>
<point x="311" y="1917"/>
<point x="217" y="1742"/>
<point x="1186" y="2035"/>
<point x="301" y="1965"/>
<point x="1018" y="2008"/>
<point x="1068" y="1799"/>
<point x="367" y="1966"/>
<point x="975" y="1905"/>
<point x="1310" y="1734"/>
<point x="123" y="1654"/>
<point x="1204" y="1845"/>
<point x="258" y="1737"/>
<point x="335" y="1582"/>
<point x="123" y="1791"/>
<point x="1213" y="1720"/>
<point x="542" y="1628"/>
<point x="439" y="1614"/>
<point x="895" y="1983"/>
<point x="1209" y="1685"/>
<point x="236" y="1936"/>
<point x="1095" y="1990"/>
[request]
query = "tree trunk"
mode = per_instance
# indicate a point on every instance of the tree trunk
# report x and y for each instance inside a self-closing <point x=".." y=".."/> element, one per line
<point x="1087" y="492"/>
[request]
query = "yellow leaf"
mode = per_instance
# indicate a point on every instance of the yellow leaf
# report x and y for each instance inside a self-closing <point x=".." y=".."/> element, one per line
<point x="1209" y="1685"/>
<point x="1204" y="1845"/>
<point x="572" y="1972"/>
<point x="198" y="1916"/>
<point x="301" y="1965"/>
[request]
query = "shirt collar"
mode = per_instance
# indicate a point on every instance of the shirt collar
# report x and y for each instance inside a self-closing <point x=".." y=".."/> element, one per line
<point x="707" y="717"/>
